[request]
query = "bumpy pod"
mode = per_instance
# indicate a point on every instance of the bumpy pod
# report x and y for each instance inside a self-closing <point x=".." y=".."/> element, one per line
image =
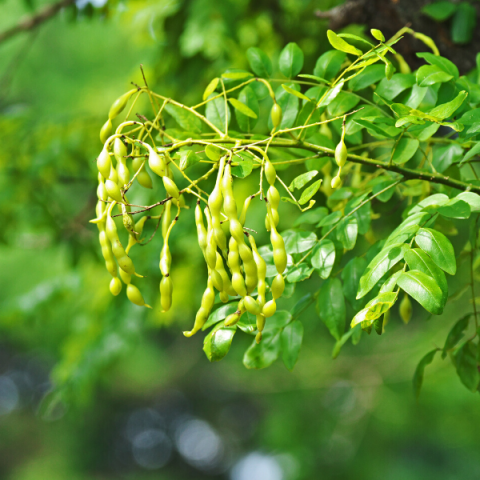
<point x="106" y="131"/>
<point x="215" y="203"/>
<point x="201" y="230"/>
<point x="278" y="286"/>
<point x="107" y="250"/>
<point x="269" y="308"/>
<point x="270" y="172"/>
<point x="238" y="283"/>
<point x="171" y="188"/>
<point x="113" y="190"/>
<point x="276" y="115"/>
<point x="120" y="152"/>
<point x="208" y="299"/>
<point x="115" y="286"/>
<point x="405" y="309"/>
<point x="233" y="318"/>
<point x="101" y="190"/>
<point x="226" y="282"/>
<point x="104" y="163"/>
<point x="124" y="261"/>
<point x="135" y="296"/>
<point x="279" y="252"/>
<point x="119" y="104"/>
<point x="166" y="291"/>
<point x="243" y="215"/>
<point x="273" y="198"/>
<point x="156" y="162"/>
<point x="134" y="237"/>
<point x="143" y="178"/>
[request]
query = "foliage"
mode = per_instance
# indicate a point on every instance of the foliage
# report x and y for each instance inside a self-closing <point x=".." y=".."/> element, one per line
<point x="403" y="129"/>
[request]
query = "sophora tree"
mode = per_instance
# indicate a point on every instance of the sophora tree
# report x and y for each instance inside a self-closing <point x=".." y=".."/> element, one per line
<point x="365" y="127"/>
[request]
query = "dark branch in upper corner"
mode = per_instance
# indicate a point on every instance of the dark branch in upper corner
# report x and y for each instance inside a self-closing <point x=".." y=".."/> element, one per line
<point x="34" y="21"/>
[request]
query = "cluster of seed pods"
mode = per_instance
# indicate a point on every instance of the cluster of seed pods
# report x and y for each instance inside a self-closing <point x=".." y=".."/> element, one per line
<point x="235" y="266"/>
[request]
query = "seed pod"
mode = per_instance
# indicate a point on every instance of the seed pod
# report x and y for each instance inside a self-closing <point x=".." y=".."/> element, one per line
<point x="279" y="252"/>
<point x="233" y="318"/>
<point x="113" y="190"/>
<point x="156" y="162"/>
<point x="165" y="259"/>
<point x="115" y="286"/>
<point x="238" y="283"/>
<point x="341" y="153"/>
<point x="119" y="104"/>
<point x="128" y="221"/>
<point x="269" y="308"/>
<point x="166" y="289"/>
<point x="135" y="236"/>
<point x="104" y="163"/>
<point x="336" y="182"/>
<point x="135" y="296"/>
<point x="126" y="277"/>
<point x="270" y="172"/>
<point x="119" y="149"/>
<point x="405" y="309"/>
<point x="170" y="187"/>
<point x="273" y="197"/>
<point x="215" y="203"/>
<point x="101" y="190"/>
<point x="276" y="114"/>
<point x="226" y="282"/>
<point x="166" y="218"/>
<point x="107" y="252"/>
<point x="106" y="131"/>
<point x="389" y="70"/>
<point x="143" y="178"/>
<point x="243" y="215"/>
<point x="201" y="231"/>
<point x="278" y="286"/>
<point x="208" y="299"/>
<point x="251" y="305"/>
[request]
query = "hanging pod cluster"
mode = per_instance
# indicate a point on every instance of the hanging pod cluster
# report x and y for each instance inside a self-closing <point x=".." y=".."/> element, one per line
<point x="235" y="267"/>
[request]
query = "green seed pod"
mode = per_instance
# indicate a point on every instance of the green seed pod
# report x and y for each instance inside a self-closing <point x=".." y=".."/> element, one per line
<point x="389" y="70"/>
<point x="269" y="308"/>
<point x="123" y="173"/>
<point x="226" y="282"/>
<point x="232" y="319"/>
<point x="278" y="286"/>
<point x="115" y="286"/>
<point x="156" y="163"/>
<point x="102" y="193"/>
<point x="119" y="149"/>
<point x="126" y="277"/>
<point x="166" y="290"/>
<point x="273" y="197"/>
<point x="135" y="296"/>
<point x="243" y="215"/>
<point x="260" y="322"/>
<point x="106" y="131"/>
<point x="165" y="259"/>
<point x="201" y="231"/>
<point x="279" y="252"/>
<point x="128" y="221"/>
<point x="251" y="305"/>
<point x="119" y="104"/>
<point x="113" y="190"/>
<point x="204" y="311"/>
<point x="166" y="218"/>
<point x="223" y="296"/>
<point x="217" y="280"/>
<point x="170" y="187"/>
<point x="405" y="309"/>
<point x="270" y="172"/>
<point x="341" y="153"/>
<point x="104" y="163"/>
<point x="238" y="283"/>
<point x="143" y="178"/>
<point x="276" y="115"/>
<point x="258" y="337"/>
<point x="336" y="182"/>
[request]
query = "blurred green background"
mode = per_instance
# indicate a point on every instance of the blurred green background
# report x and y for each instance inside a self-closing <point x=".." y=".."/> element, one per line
<point x="134" y="398"/>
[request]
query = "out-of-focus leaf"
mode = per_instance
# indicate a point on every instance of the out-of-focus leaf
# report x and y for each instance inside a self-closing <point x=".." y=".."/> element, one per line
<point x="420" y="370"/>
<point x="331" y="307"/>
<point x="323" y="257"/>
<point x="291" y="60"/>
<point x="291" y="341"/>
<point x="259" y="62"/>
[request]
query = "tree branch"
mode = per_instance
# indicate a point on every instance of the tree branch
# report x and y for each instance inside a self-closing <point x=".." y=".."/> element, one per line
<point x="34" y="21"/>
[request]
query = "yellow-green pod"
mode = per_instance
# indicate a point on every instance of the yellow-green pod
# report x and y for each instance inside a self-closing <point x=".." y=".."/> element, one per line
<point x="166" y="218"/>
<point x="126" y="277"/>
<point x="389" y="70"/>
<point x="336" y="182"/>
<point x="119" y="149"/>
<point x="270" y="172"/>
<point x="226" y="282"/>
<point x="104" y="163"/>
<point x="113" y="190"/>
<point x="166" y="290"/>
<point x="102" y="193"/>
<point x="217" y="280"/>
<point x="341" y="153"/>
<point x="278" y="286"/>
<point x="115" y="286"/>
<point x="156" y="163"/>
<point x="208" y="299"/>
<point x="243" y="215"/>
<point x="170" y="187"/>
<point x="106" y="131"/>
<point x="251" y="305"/>
<point x="135" y="296"/>
<point x="232" y="319"/>
<point x="223" y="297"/>
<point x="269" y="308"/>
<point x="276" y="115"/>
<point x="119" y="104"/>
<point x="273" y="197"/>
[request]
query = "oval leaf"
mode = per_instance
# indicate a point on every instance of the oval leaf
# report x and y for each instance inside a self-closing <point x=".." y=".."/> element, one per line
<point x="438" y="247"/>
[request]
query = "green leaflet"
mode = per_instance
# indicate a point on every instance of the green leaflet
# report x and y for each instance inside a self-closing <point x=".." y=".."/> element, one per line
<point x="377" y="34"/>
<point x="328" y="64"/>
<point x="242" y="108"/>
<point x="299" y="273"/>
<point x="418" y="260"/>
<point x="331" y="95"/>
<point x="289" y="105"/>
<point x="423" y="289"/>
<point x="211" y="87"/>
<point x="455" y="208"/>
<point x="263" y="354"/>
<point x="389" y="89"/>
<point x="455" y="334"/>
<point x="391" y="282"/>
<point x="187" y="120"/>
<point x="215" y="113"/>
<point x="347" y="232"/>
<point x="431" y="74"/>
<point x="420" y="370"/>
<point x="291" y="342"/>
<point x="311" y="217"/>
<point x="300" y="181"/>
<point x="298" y="241"/>
<point x="323" y="258"/>
<point x="294" y="92"/>
<point x="351" y="275"/>
<point x="446" y="110"/>
<point x="431" y="203"/>
<point x="463" y="23"/>
<point x="291" y="60"/>
<point x="441" y="62"/>
<point x="247" y="97"/>
<point x="381" y="264"/>
<point x="374" y="309"/>
<point x="473" y="199"/>
<point x="405" y="150"/>
<point x="438" y="247"/>
<point x="466" y="363"/>
<point x="259" y="62"/>
<point x="372" y="74"/>
<point x="331" y="307"/>
<point x="309" y="192"/>
<point x="339" y="44"/>
<point x="217" y="343"/>
<point x="187" y="158"/>
<point x="439" y="11"/>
